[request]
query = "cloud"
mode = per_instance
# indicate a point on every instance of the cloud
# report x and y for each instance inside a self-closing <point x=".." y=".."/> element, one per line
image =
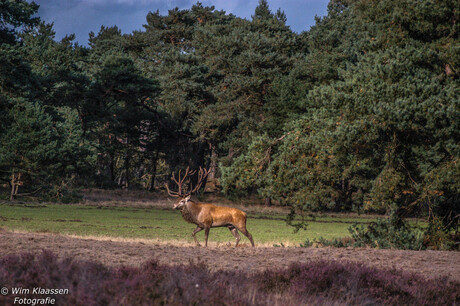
<point x="116" y="2"/>
<point x="227" y="6"/>
<point x="83" y="16"/>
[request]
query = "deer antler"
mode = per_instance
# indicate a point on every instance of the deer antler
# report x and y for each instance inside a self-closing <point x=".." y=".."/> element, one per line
<point x="181" y="179"/>
<point x="202" y="174"/>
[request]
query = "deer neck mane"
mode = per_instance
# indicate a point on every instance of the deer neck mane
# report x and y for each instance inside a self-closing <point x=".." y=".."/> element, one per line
<point x="190" y="212"/>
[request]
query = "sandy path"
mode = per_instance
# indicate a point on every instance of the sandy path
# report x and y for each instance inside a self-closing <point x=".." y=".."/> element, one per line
<point x="431" y="264"/>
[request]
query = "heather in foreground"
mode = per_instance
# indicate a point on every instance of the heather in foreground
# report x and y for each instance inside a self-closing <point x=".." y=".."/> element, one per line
<point x="91" y="283"/>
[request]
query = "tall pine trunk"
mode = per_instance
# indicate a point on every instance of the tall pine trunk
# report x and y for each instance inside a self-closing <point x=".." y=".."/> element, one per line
<point x="127" y="160"/>
<point x="15" y="181"/>
<point x="112" y="168"/>
<point x="151" y="186"/>
<point x="213" y="164"/>
<point x="13" y="186"/>
<point x="268" y="201"/>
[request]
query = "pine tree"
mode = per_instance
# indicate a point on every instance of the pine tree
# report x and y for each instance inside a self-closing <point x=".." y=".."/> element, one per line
<point x="28" y="148"/>
<point x="368" y="117"/>
<point x="120" y="109"/>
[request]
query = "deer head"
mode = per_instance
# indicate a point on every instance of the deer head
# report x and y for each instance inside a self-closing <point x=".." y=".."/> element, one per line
<point x="179" y="204"/>
<point x="181" y="193"/>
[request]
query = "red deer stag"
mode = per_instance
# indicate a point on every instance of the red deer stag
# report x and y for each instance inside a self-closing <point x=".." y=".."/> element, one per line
<point x="206" y="215"/>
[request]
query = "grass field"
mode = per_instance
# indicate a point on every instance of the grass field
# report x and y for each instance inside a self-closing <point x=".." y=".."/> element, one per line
<point x="158" y="224"/>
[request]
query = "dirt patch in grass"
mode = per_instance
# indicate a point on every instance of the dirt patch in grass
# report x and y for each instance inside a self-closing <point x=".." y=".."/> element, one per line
<point x="134" y="252"/>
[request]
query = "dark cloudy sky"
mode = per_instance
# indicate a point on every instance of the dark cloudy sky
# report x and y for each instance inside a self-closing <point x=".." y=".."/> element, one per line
<point x="83" y="16"/>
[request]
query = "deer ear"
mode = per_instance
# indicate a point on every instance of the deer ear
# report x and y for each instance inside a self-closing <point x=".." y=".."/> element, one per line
<point x="188" y="198"/>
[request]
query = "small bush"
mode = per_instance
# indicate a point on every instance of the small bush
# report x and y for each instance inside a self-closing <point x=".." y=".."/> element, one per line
<point x="439" y="237"/>
<point x="308" y="243"/>
<point x="394" y="233"/>
<point x="387" y="233"/>
<point x="336" y="242"/>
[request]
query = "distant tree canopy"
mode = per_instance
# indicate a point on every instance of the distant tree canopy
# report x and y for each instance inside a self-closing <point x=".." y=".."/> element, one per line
<point x="359" y="113"/>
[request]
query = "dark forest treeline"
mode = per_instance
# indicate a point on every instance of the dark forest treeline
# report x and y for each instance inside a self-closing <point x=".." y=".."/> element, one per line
<point x="360" y="113"/>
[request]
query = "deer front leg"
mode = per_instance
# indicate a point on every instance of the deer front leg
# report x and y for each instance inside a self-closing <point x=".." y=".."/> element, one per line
<point x="196" y="230"/>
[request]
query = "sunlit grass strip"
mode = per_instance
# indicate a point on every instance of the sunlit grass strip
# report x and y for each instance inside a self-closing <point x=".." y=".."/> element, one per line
<point x="156" y="224"/>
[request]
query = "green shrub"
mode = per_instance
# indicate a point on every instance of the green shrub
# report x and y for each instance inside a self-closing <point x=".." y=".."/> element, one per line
<point x="439" y="237"/>
<point x="387" y="233"/>
<point x="336" y="242"/>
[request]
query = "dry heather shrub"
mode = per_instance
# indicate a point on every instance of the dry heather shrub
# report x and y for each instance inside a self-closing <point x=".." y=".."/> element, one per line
<point x="320" y="282"/>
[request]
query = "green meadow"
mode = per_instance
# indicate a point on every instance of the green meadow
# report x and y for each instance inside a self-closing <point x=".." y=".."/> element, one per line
<point x="162" y="224"/>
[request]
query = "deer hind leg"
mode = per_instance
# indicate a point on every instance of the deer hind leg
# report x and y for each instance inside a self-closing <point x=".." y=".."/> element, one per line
<point x="206" y="234"/>
<point x="196" y="230"/>
<point x="247" y="234"/>
<point x="235" y="233"/>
